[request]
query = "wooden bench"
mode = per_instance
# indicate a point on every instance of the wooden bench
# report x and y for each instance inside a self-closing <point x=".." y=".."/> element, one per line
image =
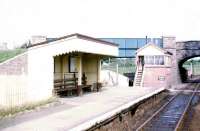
<point x="69" y="84"/>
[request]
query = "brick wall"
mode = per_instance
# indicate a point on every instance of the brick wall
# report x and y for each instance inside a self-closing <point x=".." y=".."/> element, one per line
<point x="156" y="76"/>
<point x="14" y="66"/>
<point x="130" y="119"/>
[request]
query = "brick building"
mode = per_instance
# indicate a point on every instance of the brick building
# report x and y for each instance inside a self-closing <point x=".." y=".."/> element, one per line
<point x="153" y="66"/>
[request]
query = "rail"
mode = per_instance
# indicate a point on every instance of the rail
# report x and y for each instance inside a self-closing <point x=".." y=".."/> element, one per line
<point x="148" y="120"/>
<point x="170" y="116"/>
<point x="178" y="126"/>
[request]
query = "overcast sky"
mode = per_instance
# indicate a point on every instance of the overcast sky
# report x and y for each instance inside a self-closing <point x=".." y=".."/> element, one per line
<point x="20" y="19"/>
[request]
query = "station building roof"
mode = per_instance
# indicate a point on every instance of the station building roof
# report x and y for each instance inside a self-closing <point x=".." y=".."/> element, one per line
<point x="151" y="49"/>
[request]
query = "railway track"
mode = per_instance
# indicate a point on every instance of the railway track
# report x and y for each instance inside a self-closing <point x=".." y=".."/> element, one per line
<point x="170" y="116"/>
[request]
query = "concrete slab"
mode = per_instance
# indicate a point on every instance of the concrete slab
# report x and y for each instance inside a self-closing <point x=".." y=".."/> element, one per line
<point x="79" y="113"/>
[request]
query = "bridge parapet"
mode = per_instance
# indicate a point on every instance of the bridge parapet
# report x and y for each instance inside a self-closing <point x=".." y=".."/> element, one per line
<point x="188" y="45"/>
<point x="187" y="49"/>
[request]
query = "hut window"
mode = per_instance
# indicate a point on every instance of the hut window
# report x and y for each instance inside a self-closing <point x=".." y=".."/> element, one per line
<point x="154" y="60"/>
<point x="159" y="60"/>
<point x="149" y="60"/>
<point x="72" y="64"/>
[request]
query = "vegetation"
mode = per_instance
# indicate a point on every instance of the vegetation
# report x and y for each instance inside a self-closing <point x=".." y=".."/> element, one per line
<point x="195" y="65"/>
<point x="5" y="55"/>
<point x="125" y="65"/>
<point x="11" y="111"/>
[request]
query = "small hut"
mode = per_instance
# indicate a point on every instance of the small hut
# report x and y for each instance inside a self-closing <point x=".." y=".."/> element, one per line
<point x="70" y="62"/>
<point x="153" y="66"/>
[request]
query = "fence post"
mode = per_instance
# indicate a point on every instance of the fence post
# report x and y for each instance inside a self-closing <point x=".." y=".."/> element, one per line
<point x="117" y="68"/>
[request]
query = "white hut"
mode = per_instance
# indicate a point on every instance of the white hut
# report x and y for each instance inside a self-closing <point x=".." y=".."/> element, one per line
<point x="47" y="66"/>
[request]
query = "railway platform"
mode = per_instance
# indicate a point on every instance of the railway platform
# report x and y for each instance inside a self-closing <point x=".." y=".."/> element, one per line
<point x="80" y="113"/>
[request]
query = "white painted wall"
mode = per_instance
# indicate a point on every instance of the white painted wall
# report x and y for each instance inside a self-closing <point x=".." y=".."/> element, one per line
<point x="40" y="62"/>
<point x="13" y="90"/>
<point x="37" y="82"/>
<point x="150" y="50"/>
<point x="110" y="78"/>
<point x="40" y="76"/>
<point x="13" y="81"/>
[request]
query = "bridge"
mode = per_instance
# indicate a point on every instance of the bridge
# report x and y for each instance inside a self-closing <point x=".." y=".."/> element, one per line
<point x="164" y="66"/>
<point x="181" y="52"/>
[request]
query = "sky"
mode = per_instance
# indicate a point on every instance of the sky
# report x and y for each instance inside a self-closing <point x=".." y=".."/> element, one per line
<point x="21" y="19"/>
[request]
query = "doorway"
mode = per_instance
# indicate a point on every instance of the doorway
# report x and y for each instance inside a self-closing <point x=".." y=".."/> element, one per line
<point x="140" y="62"/>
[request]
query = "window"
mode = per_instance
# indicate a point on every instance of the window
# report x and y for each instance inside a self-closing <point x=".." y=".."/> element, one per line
<point x="161" y="60"/>
<point x="73" y="64"/>
<point x="157" y="58"/>
<point x="154" y="60"/>
<point x="149" y="60"/>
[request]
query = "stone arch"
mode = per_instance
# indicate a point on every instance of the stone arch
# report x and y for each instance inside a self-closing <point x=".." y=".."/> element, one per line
<point x="182" y="71"/>
<point x="185" y="51"/>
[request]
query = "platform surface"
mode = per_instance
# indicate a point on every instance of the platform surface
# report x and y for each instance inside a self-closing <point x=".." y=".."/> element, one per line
<point x="79" y="113"/>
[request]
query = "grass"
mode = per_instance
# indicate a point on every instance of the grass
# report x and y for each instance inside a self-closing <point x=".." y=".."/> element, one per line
<point x="11" y="111"/>
<point x="196" y="68"/>
<point x="5" y="55"/>
<point x="121" y="69"/>
<point x="124" y="65"/>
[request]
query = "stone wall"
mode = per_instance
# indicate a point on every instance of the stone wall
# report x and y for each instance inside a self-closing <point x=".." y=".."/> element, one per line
<point x="184" y="51"/>
<point x="130" y="119"/>
<point x="169" y="44"/>
<point x="14" y="81"/>
<point x="14" y="66"/>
